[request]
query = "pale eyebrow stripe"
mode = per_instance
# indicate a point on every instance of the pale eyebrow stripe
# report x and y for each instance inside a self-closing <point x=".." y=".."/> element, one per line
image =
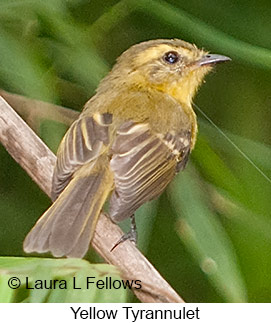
<point x="243" y="154"/>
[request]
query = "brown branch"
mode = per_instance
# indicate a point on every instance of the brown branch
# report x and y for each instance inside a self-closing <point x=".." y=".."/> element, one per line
<point x="34" y="111"/>
<point x="38" y="160"/>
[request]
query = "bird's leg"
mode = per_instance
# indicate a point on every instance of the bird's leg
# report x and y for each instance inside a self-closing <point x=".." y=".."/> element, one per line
<point x="131" y="235"/>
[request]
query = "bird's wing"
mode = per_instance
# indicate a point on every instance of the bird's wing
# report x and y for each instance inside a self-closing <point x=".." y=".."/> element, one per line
<point x="67" y="227"/>
<point x="143" y="164"/>
<point x="82" y="144"/>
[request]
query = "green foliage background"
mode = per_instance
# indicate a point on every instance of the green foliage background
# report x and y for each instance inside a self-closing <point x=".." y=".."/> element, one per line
<point x="209" y="235"/>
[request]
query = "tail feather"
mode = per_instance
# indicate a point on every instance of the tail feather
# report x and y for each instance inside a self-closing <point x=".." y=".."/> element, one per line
<point x="80" y="248"/>
<point x="67" y="227"/>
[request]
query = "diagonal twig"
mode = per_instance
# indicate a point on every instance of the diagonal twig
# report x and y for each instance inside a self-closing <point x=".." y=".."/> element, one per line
<point x="38" y="161"/>
<point x="34" y="111"/>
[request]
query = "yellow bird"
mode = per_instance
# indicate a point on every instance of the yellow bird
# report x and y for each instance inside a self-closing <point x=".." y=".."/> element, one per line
<point x="128" y="143"/>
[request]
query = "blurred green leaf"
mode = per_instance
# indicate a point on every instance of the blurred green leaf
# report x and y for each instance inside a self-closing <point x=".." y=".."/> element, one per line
<point x="68" y="272"/>
<point x="6" y="293"/>
<point x="23" y="71"/>
<point x="224" y="166"/>
<point x="182" y="22"/>
<point x="206" y="239"/>
<point x="200" y="31"/>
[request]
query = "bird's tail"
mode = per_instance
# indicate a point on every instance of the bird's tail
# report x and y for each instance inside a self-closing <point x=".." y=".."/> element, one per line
<point x="67" y="227"/>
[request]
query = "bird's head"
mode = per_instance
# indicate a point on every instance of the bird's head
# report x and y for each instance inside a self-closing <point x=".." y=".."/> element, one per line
<point x="169" y="65"/>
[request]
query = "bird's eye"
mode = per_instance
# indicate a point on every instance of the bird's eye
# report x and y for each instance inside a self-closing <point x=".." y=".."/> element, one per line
<point x="171" y="57"/>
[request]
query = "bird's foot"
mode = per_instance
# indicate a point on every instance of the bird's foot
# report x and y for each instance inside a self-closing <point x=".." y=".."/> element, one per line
<point x="131" y="235"/>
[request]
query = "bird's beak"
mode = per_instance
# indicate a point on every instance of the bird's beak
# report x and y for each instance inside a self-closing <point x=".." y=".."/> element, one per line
<point x="211" y="59"/>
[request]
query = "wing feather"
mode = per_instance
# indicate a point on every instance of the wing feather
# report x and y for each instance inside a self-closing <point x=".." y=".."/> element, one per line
<point x="81" y="145"/>
<point x="143" y="164"/>
<point x="67" y="227"/>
